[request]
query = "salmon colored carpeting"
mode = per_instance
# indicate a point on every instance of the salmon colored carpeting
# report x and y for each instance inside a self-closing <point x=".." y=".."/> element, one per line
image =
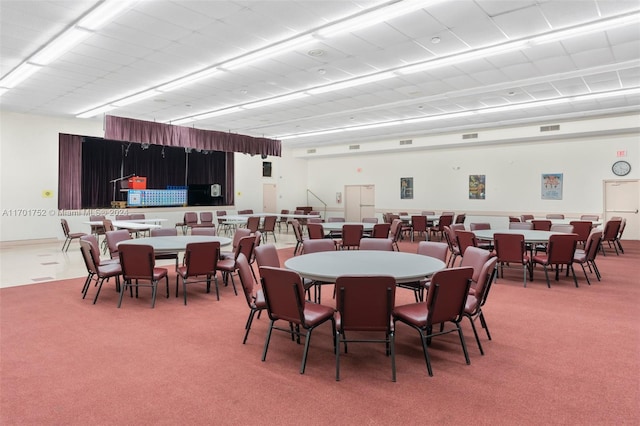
<point x="563" y="355"/>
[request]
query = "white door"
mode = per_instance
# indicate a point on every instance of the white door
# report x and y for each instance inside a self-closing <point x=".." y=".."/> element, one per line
<point x="269" y="198"/>
<point x="359" y="202"/>
<point x="622" y="198"/>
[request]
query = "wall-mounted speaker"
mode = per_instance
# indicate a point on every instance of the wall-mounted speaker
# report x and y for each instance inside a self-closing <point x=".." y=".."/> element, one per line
<point x="216" y="190"/>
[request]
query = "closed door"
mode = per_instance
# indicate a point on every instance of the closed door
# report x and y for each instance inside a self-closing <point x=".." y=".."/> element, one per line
<point x="269" y="198"/>
<point x="622" y="198"/>
<point x="359" y="202"/>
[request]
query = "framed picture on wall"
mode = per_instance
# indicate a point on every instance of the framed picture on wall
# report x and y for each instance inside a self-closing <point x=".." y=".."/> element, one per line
<point x="476" y="187"/>
<point x="551" y="186"/>
<point x="406" y="188"/>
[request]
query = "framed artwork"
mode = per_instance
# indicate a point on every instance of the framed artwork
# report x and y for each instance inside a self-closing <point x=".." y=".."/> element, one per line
<point x="476" y="187"/>
<point x="551" y="186"/>
<point x="406" y="188"/>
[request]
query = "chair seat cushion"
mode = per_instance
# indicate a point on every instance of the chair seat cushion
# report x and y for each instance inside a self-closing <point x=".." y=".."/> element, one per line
<point x="414" y="313"/>
<point x="159" y="273"/>
<point x="315" y="313"/>
<point x="227" y="264"/>
<point x="109" y="270"/>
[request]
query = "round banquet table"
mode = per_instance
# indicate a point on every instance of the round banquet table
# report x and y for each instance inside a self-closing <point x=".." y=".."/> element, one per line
<point x="530" y="236"/>
<point x="175" y="243"/>
<point x="329" y="265"/>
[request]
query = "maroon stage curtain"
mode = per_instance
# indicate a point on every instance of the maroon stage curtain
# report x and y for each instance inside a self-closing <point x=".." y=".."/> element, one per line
<point x="69" y="171"/>
<point x="130" y="130"/>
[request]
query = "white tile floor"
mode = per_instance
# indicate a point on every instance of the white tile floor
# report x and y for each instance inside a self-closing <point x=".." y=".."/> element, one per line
<point x="23" y="263"/>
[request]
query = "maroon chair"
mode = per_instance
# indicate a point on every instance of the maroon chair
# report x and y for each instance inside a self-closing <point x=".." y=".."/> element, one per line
<point x="254" y="297"/>
<point x="283" y="220"/>
<point x="419" y="225"/>
<point x="237" y="236"/>
<point x="189" y="221"/>
<point x="315" y="246"/>
<point x="541" y="225"/>
<point x="588" y="255"/>
<point x="461" y="218"/>
<point x="395" y="232"/>
<point x="351" y="236"/>
<point x="382" y="244"/>
<point x="228" y="266"/>
<point x="115" y="237"/>
<point x="68" y="235"/>
<point x="381" y="230"/>
<point x="590" y="217"/>
<point x="445" y="220"/>
<point x="475" y="258"/>
<point x="267" y="255"/>
<point x="555" y="216"/>
<point x="138" y="264"/>
<point x="623" y="224"/>
<point x="514" y="219"/>
<point x="269" y="227"/>
<point x="208" y="231"/>
<point x="560" y="252"/>
<point x="610" y="234"/>
<point x="582" y="228"/>
<point x="300" y="238"/>
<point x="167" y="232"/>
<point x="97" y="272"/>
<point x="284" y="297"/>
<point x="521" y="225"/>
<point x="91" y="239"/>
<point x="512" y="249"/>
<point x="452" y="244"/>
<point x="476" y="300"/>
<point x="315" y="231"/>
<point x="445" y="303"/>
<point x="253" y="223"/>
<point x="206" y="221"/>
<point x="526" y="217"/>
<point x="200" y="260"/>
<point x="433" y="249"/>
<point x="365" y="304"/>
<point x="465" y="239"/>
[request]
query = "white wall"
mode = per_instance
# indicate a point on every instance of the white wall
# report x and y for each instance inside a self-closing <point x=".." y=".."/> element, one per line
<point x="29" y="166"/>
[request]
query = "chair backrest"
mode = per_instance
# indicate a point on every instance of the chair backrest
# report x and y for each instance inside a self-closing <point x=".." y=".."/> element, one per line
<point x="590" y="217"/>
<point x="427" y="213"/>
<point x="206" y="218"/>
<point x="526" y="217"/>
<point x="210" y="231"/>
<point x="369" y="220"/>
<point x="461" y="218"/>
<point x="623" y="224"/>
<point x="201" y="258"/>
<point x="246" y="278"/>
<point x="86" y="250"/>
<point x="164" y="232"/>
<point x="351" y="235"/>
<point x="221" y="213"/>
<point x="514" y="219"/>
<point x="611" y="229"/>
<point x="395" y="230"/>
<point x="482" y="286"/>
<point x="283" y="293"/>
<point x="123" y="217"/>
<point x="509" y="247"/>
<point x="381" y="244"/>
<point x="419" y="223"/>
<point x="450" y="238"/>
<point x="238" y="235"/>
<point x="138" y="216"/>
<point x="107" y="225"/>
<point x="269" y="223"/>
<point x="267" y="255"/>
<point x="457" y="227"/>
<point x="445" y="220"/>
<point x="297" y="230"/>
<point x="246" y="246"/>
<point x="190" y="218"/>
<point x="137" y="261"/>
<point x="315" y="230"/>
<point x="561" y="248"/>
<point x="253" y="223"/>
<point x="555" y="216"/>
<point x="433" y="249"/>
<point x="314" y="246"/>
<point x="465" y="239"/>
<point x="381" y="230"/>
<point x="65" y="227"/>
<point x="592" y="244"/>
<point x="92" y="241"/>
<point x="447" y="295"/>
<point x="475" y="257"/>
<point x="448" y="214"/>
<point x="479" y="226"/>
<point x="335" y="219"/>
<point x="365" y="303"/>
<point x="314" y="220"/>
<point x="113" y="238"/>
<point x="541" y="225"/>
<point x="521" y="225"/>
<point x="556" y="227"/>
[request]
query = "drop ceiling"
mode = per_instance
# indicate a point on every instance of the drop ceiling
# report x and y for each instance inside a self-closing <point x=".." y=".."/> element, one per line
<point x="155" y="42"/>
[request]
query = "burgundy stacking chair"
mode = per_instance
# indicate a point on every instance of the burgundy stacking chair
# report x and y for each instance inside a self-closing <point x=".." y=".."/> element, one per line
<point x="254" y="297"/>
<point x="284" y="297"/>
<point x="199" y="266"/>
<point x="610" y="234"/>
<point x="588" y="255"/>
<point x="95" y="271"/>
<point x="382" y="244"/>
<point x="138" y="264"/>
<point x="541" y="225"/>
<point x="207" y="231"/>
<point x="364" y="304"/>
<point x="560" y="252"/>
<point x="381" y="230"/>
<point x="315" y="231"/>
<point x="475" y="258"/>
<point x="464" y="240"/>
<point x="433" y="249"/>
<point x="511" y="249"/>
<point x="269" y="227"/>
<point x="300" y="238"/>
<point x="476" y="300"/>
<point x="395" y="232"/>
<point x="228" y="266"/>
<point x="351" y="236"/>
<point x="446" y="300"/>
<point x="445" y="220"/>
<point x="68" y="235"/>
<point x="419" y="225"/>
<point x="452" y="243"/>
<point x="167" y="232"/>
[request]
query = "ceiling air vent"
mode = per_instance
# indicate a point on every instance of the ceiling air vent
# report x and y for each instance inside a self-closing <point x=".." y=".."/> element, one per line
<point x="354" y="146"/>
<point x="406" y="142"/>
<point x="311" y="151"/>
<point x="553" y="128"/>
<point x="470" y="136"/>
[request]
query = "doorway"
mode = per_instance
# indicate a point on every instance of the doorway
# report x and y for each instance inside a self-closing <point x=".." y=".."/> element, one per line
<point x="622" y="198"/>
<point x="269" y="198"/>
<point x="359" y="202"/>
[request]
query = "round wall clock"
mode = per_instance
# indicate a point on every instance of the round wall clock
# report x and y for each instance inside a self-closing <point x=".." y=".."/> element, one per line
<point x="621" y="168"/>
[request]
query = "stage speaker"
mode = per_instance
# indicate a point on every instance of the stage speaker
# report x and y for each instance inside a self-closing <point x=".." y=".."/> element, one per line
<point x="216" y="190"/>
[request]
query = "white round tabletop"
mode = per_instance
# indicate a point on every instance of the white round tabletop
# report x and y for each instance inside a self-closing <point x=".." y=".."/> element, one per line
<point x="329" y="265"/>
<point x="530" y="235"/>
<point x="337" y="226"/>
<point x="175" y="243"/>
